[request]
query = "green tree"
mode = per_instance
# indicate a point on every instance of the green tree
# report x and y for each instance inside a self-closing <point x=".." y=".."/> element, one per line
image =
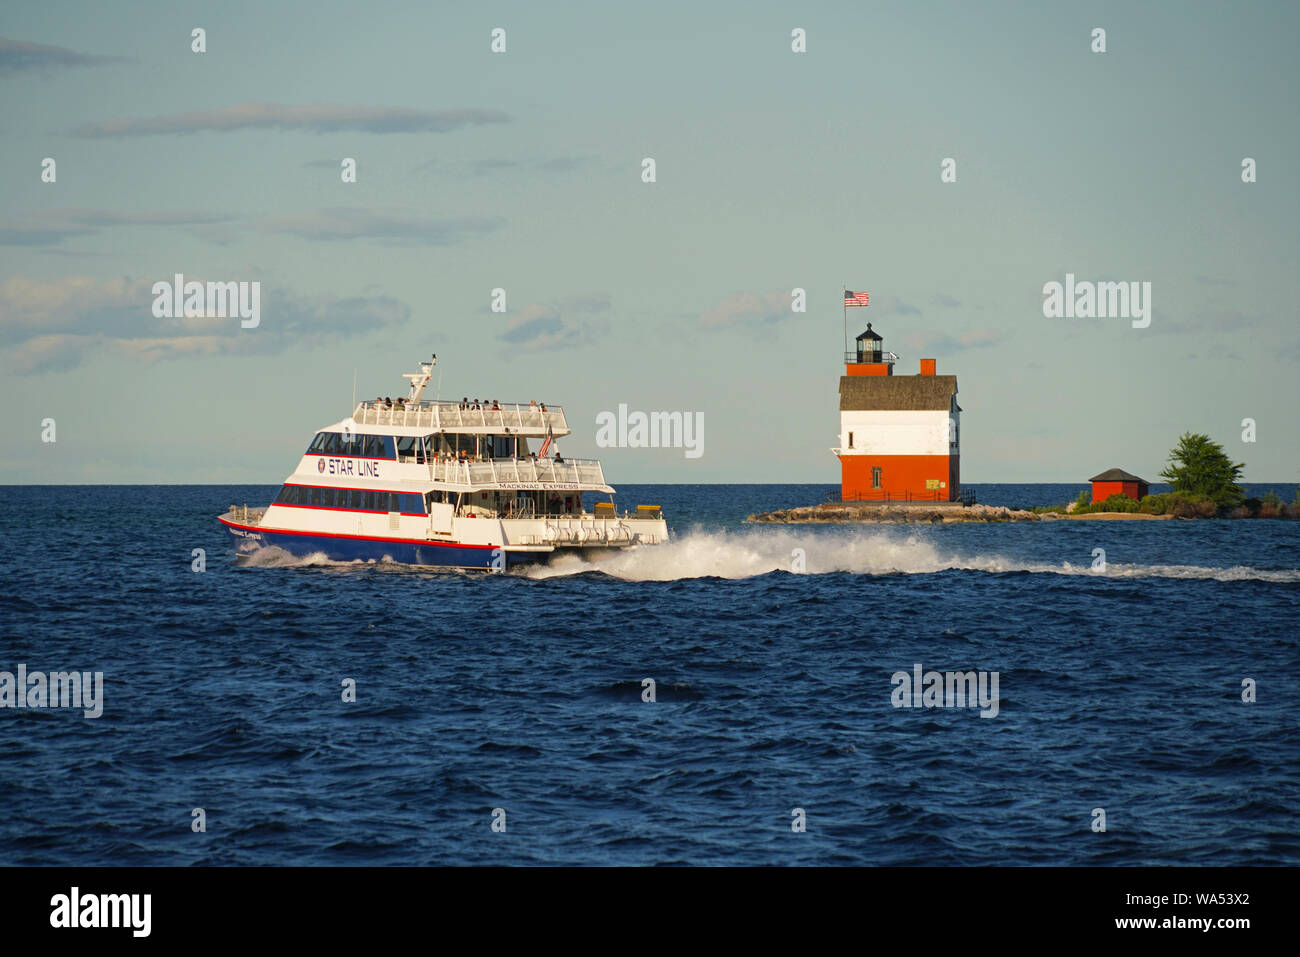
<point x="1199" y="467"/>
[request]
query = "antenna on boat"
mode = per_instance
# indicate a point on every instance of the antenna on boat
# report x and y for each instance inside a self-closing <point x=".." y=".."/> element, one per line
<point x="420" y="379"/>
<point x="354" y="387"/>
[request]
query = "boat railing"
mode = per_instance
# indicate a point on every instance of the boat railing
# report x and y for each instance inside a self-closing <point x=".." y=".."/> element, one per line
<point x="246" y="515"/>
<point x="500" y="471"/>
<point x="451" y="416"/>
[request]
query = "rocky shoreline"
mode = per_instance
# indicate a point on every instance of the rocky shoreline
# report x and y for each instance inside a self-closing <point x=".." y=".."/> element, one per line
<point x="928" y="513"/>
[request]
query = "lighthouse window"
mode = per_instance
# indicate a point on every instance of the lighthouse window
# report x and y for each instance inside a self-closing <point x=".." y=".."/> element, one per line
<point x="850" y="440"/>
<point x="875" y="476"/>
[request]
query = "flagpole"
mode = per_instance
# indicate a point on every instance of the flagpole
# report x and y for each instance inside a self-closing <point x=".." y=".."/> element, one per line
<point x="844" y="294"/>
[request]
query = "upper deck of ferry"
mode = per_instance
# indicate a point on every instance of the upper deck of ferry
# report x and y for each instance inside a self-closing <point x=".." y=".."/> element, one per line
<point x="419" y="418"/>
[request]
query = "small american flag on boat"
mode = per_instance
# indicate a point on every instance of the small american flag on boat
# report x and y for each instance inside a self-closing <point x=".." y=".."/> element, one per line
<point x="852" y="298"/>
<point x="546" y="446"/>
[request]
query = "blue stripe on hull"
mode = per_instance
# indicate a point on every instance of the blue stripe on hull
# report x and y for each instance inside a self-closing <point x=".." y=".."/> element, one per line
<point x="350" y="550"/>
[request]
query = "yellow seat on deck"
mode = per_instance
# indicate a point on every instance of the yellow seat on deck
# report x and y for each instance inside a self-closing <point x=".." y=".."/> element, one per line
<point x="604" y="510"/>
<point x="647" y="511"/>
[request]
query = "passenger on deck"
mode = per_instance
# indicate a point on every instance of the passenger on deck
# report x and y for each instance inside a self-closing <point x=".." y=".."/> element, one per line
<point x="532" y="404"/>
<point x="543" y="406"/>
<point x="557" y="457"/>
<point x="477" y="407"/>
<point x="400" y="404"/>
<point x="388" y="403"/>
<point x="464" y="402"/>
<point x="495" y="407"/>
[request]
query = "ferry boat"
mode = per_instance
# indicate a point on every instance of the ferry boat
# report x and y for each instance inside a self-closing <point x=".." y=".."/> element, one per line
<point x="445" y="483"/>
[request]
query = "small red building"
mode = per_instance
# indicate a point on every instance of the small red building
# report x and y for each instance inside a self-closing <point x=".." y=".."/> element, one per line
<point x="1118" y="482"/>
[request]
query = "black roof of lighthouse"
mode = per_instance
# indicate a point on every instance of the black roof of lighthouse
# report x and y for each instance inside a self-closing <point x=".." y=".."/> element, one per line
<point x="1117" y="475"/>
<point x="898" y="392"/>
<point x="870" y="335"/>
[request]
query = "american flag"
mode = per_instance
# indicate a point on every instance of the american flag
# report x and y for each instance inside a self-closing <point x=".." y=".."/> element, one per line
<point x="546" y="446"/>
<point x="852" y="298"/>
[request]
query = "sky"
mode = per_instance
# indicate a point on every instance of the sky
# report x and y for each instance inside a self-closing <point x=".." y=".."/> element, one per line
<point x="522" y="170"/>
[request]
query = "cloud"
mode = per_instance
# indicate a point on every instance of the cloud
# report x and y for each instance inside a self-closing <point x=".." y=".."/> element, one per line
<point x="490" y="165"/>
<point x="480" y="167"/>
<point x="1207" y="320"/>
<point x="351" y="222"/>
<point x="315" y="118"/>
<point x="563" y="164"/>
<point x="19" y="55"/>
<point x="948" y="302"/>
<point x="52" y="226"/>
<point x="748" y="308"/>
<point x="941" y="343"/>
<point x="899" y="308"/>
<point x="55" y="324"/>
<point x="541" y="327"/>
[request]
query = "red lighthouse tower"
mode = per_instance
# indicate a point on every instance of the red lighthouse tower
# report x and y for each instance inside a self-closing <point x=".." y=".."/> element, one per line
<point x="900" y="435"/>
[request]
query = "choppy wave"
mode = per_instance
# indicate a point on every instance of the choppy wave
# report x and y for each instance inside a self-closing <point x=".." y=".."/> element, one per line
<point x="753" y="552"/>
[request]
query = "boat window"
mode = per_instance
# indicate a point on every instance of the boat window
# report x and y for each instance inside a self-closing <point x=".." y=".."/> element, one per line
<point x="385" y="446"/>
<point x="315" y="495"/>
<point x="331" y="445"/>
<point x="327" y="497"/>
<point x="317" y="443"/>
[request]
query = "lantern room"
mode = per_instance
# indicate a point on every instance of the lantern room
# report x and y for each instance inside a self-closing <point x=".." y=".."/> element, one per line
<point x="870" y="356"/>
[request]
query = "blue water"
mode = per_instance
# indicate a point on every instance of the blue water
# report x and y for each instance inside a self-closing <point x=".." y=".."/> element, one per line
<point x="1118" y="690"/>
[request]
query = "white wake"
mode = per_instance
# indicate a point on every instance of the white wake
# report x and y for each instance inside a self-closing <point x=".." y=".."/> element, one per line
<point x="759" y="551"/>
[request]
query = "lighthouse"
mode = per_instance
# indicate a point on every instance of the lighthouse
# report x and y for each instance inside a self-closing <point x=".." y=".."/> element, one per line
<point x="900" y="435"/>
